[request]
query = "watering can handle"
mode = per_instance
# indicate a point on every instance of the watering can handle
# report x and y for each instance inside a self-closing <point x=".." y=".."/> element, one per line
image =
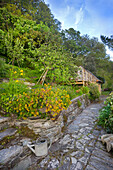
<point x="30" y="147"/>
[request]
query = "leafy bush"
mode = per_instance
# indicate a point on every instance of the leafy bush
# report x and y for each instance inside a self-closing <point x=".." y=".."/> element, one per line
<point x="85" y="89"/>
<point x="93" y="91"/>
<point x="79" y="103"/>
<point x="106" y="118"/>
<point x="75" y="91"/>
<point x="106" y="115"/>
<point x="14" y="86"/>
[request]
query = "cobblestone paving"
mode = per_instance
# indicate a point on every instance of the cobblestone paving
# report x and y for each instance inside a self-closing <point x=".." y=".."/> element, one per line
<point x="80" y="148"/>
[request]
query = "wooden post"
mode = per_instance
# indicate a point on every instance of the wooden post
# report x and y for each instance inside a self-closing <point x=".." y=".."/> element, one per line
<point x="83" y="76"/>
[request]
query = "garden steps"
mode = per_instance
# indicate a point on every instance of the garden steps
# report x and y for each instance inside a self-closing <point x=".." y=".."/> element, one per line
<point x="4" y="122"/>
<point x="7" y="132"/>
<point x="14" y="153"/>
<point x="13" y="149"/>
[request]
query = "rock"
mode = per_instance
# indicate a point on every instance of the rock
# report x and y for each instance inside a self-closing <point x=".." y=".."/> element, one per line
<point x="4" y="119"/>
<point x="84" y="159"/>
<point x="73" y="154"/>
<point x="29" y="84"/>
<point x="79" y="166"/>
<point x="25" y="141"/>
<point x="37" y="125"/>
<point x="73" y="160"/>
<point x="24" y="164"/>
<point x="79" y="146"/>
<point x="46" y="125"/>
<point x="100" y="164"/>
<point x="7" y="132"/>
<point x="90" y="168"/>
<point x="66" y="139"/>
<point x="7" y="154"/>
<point x="108" y="139"/>
<point x="53" y="164"/>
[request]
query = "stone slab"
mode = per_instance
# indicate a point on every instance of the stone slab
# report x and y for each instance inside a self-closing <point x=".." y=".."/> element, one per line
<point x="4" y="119"/>
<point x="7" y="154"/>
<point x="7" y="132"/>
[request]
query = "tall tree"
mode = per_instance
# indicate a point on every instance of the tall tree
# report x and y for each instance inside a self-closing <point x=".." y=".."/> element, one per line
<point x="36" y="10"/>
<point x="107" y="41"/>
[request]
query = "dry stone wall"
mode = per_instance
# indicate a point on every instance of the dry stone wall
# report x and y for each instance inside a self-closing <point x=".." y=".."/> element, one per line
<point x="54" y="130"/>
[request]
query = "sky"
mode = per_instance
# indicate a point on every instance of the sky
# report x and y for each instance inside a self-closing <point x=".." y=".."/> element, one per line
<point x="92" y="17"/>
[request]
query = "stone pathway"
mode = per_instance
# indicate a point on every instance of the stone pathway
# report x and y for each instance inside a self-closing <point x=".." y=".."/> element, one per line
<point x="80" y="148"/>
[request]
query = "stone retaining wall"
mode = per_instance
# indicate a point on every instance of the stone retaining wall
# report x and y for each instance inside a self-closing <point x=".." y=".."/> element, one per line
<point x="54" y="130"/>
<point x="77" y="106"/>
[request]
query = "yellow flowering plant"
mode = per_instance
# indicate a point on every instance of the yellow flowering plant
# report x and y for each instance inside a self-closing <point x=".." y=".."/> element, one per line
<point x="44" y="102"/>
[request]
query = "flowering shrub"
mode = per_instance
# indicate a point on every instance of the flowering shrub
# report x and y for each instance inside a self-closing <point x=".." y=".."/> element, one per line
<point x="46" y="102"/>
<point x="106" y="115"/>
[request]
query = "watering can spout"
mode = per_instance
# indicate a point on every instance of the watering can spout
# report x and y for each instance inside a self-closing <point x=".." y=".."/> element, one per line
<point x="30" y="147"/>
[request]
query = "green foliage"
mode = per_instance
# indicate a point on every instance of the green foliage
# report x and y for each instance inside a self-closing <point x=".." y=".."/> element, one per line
<point x="94" y="92"/>
<point x="3" y="69"/>
<point x="85" y="89"/>
<point x="21" y="38"/>
<point x="106" y="115"/>
<point x="106" y="93"/>
<point x="74" y="91"/>
<point x="79" y="103"/>
<point x="14" y="86"/>
<point x="107" y="41"/>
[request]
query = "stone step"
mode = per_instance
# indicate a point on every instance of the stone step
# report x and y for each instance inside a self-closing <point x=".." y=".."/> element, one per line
<point x="7" y="132"/>
<point x="4" y="122"/>
<point x="13" y="156"/>
<point x="8" y="153"/>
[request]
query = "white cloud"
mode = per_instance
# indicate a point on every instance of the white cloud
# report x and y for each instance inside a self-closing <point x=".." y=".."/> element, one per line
<point x="79" y="17"/>
<point x="109" y="52"/>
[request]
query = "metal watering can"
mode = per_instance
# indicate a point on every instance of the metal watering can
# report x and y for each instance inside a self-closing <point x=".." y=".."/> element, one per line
<point x="40" y="148"/>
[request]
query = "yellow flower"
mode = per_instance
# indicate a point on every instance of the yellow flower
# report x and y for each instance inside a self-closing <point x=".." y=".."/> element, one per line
<point x="21" y="71"/>
<point x="24" y="118"/>
<point x="21" y="74"/>
<point x="37" y="113"/>
<point x="9" y="101"/>
<point x="17" y="81"/>
<point x="15" y="72"/>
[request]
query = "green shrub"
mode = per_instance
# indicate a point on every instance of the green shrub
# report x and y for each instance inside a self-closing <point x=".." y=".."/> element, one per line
<point x="94" y="92"/>
<point x="85" y="89"/>
<point x="13" y="88"/>
<point x="79" y="103"/>
<point x="106" y="115"/>
<point x="106" y="118"/>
